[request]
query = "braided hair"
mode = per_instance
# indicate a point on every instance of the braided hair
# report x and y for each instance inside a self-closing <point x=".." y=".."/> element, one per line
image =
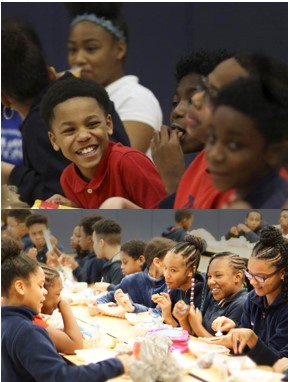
<point x="236" y="262"/>
<point x="50" y="274"/>
<point x="274" y="247"/>
<point x="191" y="250"/>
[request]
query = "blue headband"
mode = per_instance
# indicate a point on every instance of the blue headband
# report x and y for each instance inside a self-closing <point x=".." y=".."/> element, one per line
<point x="107" y="24"/>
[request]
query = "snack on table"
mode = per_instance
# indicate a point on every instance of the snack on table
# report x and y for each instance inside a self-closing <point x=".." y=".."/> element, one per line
<point x="113" y="311"/>
<point x="43" y="205"/>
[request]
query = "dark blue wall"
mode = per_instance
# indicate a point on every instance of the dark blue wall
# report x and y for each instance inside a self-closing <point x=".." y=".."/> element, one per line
<point x="162" y="32"/>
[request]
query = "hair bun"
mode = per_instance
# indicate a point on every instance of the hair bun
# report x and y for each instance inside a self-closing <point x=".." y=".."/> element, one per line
<point x="107" y="10"/>
<point x="271" y="236"/>
<point x="198" y="242"/>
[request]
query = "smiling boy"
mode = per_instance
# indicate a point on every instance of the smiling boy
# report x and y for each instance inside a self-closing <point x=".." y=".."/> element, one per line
<point x="76" y="112"/>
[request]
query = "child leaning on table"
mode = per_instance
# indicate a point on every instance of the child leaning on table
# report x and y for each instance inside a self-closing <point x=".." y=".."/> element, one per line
<point x="134" y="291"/>
<point x="223" y="295"/>
<point x="27" y="352"/>
<point x="250" y="228"/>
<point x="76" y="112"/>
<point x="263" y="335"/>
<point x="70" y="338"/>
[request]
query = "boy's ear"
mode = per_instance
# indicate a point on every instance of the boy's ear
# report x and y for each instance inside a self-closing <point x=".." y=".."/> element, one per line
<point x="109" y="124"/>
<point x="19" y="286"/>
<point x="141" y="259"/>
<point x="52" y="138"/>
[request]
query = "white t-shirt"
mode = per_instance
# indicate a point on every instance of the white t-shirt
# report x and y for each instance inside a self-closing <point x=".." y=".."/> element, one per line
<point x="134" y="102"/>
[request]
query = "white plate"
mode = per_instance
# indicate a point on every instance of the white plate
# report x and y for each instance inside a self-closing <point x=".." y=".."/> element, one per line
<point x="94" y="354"/>
<point x="199" y="348"/>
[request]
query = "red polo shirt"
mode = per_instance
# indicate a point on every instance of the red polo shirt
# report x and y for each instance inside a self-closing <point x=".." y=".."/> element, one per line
<point x="123" y="172"/>
<point x="196" y="189"/>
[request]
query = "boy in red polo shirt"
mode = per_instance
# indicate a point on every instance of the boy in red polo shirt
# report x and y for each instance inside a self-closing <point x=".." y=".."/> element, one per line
<point x="76" y="112"/>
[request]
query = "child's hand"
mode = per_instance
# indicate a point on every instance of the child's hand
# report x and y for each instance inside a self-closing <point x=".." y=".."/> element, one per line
<point x="281" y="365"/>
<point x="100" y="287"/>
<point x="93" y="309"/>
<point x="243" y="227"/>
<point x="222" y="323"/>
<point x="126" y="360"/>
<point x="32" y="252"/>
<point x="195" y="317"/>
<point x="123" y="300"/>
<point x="181" y="311"/>
<point x="234" y="231"/>
<point x="59" y="199"/>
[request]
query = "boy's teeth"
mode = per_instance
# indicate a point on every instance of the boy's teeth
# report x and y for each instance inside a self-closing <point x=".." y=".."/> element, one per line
<point x="87" y="150"/>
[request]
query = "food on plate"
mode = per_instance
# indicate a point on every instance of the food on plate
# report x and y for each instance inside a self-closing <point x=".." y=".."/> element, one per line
<point x="155" y="297"/>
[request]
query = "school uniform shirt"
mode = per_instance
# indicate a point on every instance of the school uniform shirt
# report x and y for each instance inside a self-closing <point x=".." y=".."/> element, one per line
<point x="178" y="294"/>
<point x="140" y="286"/>
<point x="27" y="242"/>
<point x="28" y="354"/>
<point x="251" y="236"/>
<point x="111" y="272"/>
<point x="232" y="309"/>
<point x="196" y="189"/>
<point x="90" y="270"/>
<point x="38" y="320"/>
<point x="122" y="171"/>
<point x="174" y="233"/>
<point x="135" y="102"/>
<point x="270" y="323"/>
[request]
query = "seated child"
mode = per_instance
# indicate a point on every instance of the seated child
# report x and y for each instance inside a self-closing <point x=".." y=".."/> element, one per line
<point x="263" y="334"/>
<point x="182" y="279"/>
<point x="132" y="256"/>
<point x="36" y="225"/>
<point x="17" y="228"/>
<point x="76" y="112"/>
<point x="27" y="351"/>
<point x="224" y="295"/>
<point x="248" y="127"/>
<point x="283" y="222"/>
<point x="134" y="291"/>
<point x="250" y="229"/>
<point x="183" y="221"/>
<point x="70" y="338"/>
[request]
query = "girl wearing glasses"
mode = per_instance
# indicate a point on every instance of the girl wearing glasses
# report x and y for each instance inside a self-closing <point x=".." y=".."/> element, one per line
<point x="264" y="333"/>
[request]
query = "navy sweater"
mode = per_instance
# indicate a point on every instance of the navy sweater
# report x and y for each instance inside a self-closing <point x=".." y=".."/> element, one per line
<point x="29" y="355"/>
<point x="174" y="233"/>
<point x="270" y="323"/>
<point x="90" y="269"/>
<point x="140" y="287"/>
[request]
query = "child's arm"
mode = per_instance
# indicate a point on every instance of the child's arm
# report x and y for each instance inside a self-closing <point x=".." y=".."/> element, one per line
<point x="59" y="199"/>
<point x="70" y="338"/>
<point x="117" y="203"/>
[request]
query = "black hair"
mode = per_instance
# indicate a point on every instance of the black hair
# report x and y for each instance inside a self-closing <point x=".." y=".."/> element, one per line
<point x="50" y="275"/>
<point x="182" y="214"/>
<point x="191" y="250"/>
<point x="24" y="71"/>
<point x="36" y="219"/>
<point x="157" y="247"/>
<point x="257" y="211"/>
<point x="134" y="248"/>
<point x="65" y="89"/>
<point x="19" y="214"/>
<point x="235" y="261"/>
<point x="108" y="230"/>
<point x="272" y="246"/>
<point x="109" y="11"/>
<point x="87" y="223"/>
<point x="201" y="62"/>
<point x="14" y="264"/>
<point x="258" y="64"/>
<point x="265" y="100"/>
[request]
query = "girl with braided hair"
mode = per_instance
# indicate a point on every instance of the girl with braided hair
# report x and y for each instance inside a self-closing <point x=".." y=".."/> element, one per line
<point x="223" y="295"/>
<point x="183" y="281"/>
<point x="70" y="338"/>
<point x="264" y="323"/>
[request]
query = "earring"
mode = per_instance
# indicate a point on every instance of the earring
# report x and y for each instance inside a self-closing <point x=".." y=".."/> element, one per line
<point x="192" y="292"/>
<point x="8" y="115"/>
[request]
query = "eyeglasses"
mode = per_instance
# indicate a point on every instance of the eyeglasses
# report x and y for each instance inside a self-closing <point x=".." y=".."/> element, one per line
<point x="259" y="279"/>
